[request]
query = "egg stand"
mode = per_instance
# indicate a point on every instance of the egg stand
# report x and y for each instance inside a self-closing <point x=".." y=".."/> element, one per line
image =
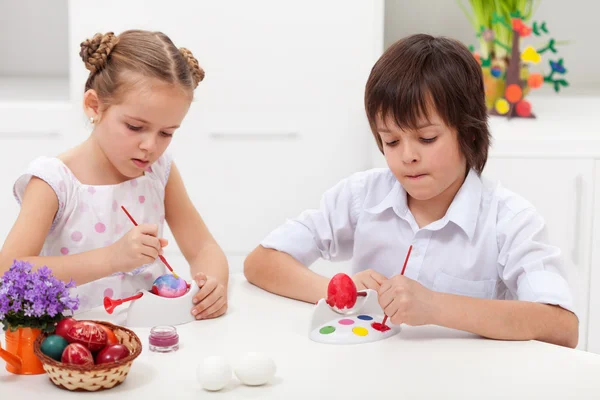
<point x="323" y="315"/>
<point x="147" y="309"/>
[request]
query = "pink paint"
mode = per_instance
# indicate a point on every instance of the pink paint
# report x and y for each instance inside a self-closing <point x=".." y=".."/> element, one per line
<point x="163" y="339"/>
<point x="345" y="321"/>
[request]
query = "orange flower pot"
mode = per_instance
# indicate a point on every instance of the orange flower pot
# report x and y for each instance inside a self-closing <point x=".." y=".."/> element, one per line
<point x="20" y="345"/>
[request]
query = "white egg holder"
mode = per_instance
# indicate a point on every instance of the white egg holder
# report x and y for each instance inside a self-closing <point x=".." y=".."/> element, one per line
<point x="324" y="316"/>
<point x="153" y="310"/>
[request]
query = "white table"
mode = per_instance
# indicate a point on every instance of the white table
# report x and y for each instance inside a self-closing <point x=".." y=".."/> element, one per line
<point x="421" y="362"/>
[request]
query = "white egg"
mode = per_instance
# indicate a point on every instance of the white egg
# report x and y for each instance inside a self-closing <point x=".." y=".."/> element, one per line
<point x="254" y="369"/>
<point x="214" y="373"/>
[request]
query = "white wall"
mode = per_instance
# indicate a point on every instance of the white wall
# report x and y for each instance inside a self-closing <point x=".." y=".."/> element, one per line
<point x="33" y="38"/>
<point x="574" y="20"/>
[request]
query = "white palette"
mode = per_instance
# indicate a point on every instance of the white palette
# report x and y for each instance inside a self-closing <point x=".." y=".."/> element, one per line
<point x="329" y="327"/>
<point x="152" y="310"/>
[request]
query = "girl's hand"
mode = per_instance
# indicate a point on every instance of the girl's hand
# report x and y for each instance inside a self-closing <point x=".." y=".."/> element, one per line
<point x="137" y="247"/>
<point x="211" y="300"/>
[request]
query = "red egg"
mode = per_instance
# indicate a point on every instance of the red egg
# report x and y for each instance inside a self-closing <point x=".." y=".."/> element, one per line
<point x="112" y="353"/>
<point x="341" y="292"/>
<point x="63" y="326"/>
<point x="77" y="354"/>
<point x="88" y="334"/>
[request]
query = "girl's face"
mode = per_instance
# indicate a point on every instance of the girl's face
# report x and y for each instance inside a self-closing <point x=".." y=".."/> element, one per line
<point x="135" y="132"/>
<point x="427" y="161"/>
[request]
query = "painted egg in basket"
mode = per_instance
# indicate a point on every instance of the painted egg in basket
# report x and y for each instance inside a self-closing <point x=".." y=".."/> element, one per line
<point x="89" y="334"/>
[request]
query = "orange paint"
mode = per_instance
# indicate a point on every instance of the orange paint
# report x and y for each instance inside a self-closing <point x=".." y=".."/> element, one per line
<point x="535" y="80"/>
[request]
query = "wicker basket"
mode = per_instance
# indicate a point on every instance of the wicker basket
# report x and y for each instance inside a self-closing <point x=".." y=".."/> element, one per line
<point x="98" y="377"/>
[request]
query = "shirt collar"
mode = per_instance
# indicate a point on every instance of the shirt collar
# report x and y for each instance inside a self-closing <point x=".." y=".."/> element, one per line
<point x="463" y="211"/>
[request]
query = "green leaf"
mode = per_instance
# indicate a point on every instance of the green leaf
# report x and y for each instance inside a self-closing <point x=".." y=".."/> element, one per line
<point x="535" y="29"/>
<point x="543" y="27"/>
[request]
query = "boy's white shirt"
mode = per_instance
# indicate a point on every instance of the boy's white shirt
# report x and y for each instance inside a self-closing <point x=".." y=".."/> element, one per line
<point x="490" y="244"/>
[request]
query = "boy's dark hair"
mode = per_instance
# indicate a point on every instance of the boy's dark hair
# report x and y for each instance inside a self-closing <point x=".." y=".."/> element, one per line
<point x="420" y="71"/>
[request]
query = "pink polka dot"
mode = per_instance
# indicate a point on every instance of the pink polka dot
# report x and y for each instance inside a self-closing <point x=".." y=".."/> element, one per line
<point x="108" y="292"/>
<point x="76" y="236"/>
<point x="100" y="227"/>
<point x="64" y="251"/>
<point x="91" y="190"/>
<point x="134" y="183"/>
<point x="122" y="276"/>
<point x="115" y="205"/>
<point x="118" y="228"/>
<point x="141" y="199"/>
<point x="62" y="186"/>
<point x="155" y="206"/>
<point x="345" y="321"/>
<point x="83" y="207"/>
<point x="148" y="276"/>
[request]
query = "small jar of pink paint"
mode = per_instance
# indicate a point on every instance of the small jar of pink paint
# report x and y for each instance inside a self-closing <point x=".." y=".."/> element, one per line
<point x="163" y="339"/>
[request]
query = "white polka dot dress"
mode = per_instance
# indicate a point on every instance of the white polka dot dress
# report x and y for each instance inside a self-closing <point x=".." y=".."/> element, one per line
<point x="90" y="217"/>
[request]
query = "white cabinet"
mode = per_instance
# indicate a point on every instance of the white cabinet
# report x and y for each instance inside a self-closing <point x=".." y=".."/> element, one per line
<point x="562" y="191"/>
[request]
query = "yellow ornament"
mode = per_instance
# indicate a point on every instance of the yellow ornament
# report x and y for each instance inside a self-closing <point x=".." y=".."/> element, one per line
<point x="502" y="106"/>
<point x="531" y="55"/>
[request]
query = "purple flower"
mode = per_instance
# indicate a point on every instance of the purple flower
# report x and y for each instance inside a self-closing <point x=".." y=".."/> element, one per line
<point x="34" y="298"/>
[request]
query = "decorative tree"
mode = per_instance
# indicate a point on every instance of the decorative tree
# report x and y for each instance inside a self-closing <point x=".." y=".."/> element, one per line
<point x="506" y="70"/>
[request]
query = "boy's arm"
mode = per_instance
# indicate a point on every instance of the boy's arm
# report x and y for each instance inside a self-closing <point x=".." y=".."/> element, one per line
<point x="282" y="274"/>
<point x="507" y="319"/>
<point x="279" y="264"/>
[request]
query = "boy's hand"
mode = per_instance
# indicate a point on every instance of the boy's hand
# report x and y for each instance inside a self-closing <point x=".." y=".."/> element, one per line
<point x="368" y="279"/>
<point x="211" y="300"/>
<point x="406" y="301"/>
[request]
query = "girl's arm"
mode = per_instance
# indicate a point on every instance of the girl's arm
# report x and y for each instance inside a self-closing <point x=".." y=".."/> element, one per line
<point x="27" y="236"/>
<point x="195" y="241"/>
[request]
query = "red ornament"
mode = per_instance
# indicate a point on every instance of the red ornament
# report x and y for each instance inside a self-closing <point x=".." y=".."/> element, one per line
<point x="341" y="292"/>
<point x="523" y="108"/>
<point x="77" y="354"/>
<point x="88" y="334"/>
<point x="111" y="354"/>
<point x="63" y="326"/>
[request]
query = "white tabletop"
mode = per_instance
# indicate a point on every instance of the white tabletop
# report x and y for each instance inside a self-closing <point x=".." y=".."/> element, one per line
<point x="420" y="362"/>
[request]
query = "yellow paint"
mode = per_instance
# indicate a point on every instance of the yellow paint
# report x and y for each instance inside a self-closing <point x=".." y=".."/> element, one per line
<point x="360" y="331"/>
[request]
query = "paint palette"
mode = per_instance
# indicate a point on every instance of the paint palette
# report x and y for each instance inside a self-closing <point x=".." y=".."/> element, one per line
<point x="359" y="326"/>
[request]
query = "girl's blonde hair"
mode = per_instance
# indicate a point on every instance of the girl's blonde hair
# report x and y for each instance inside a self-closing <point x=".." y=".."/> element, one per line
<point x="114" y="60"/>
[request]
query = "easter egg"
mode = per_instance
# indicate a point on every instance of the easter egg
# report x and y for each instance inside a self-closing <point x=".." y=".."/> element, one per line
<point x="53" y="346"/>
<point x="63" y="326"/>
<point x="111" y="338"/>
<point x="112" y="353"/>
<point x="77" y="354"/>
<point x="88" y="334"/>
<point x="254" y="369"/>
<point x="341" y="292"/>
<point x="214" y="373"/>
<point x="168" y="286"/>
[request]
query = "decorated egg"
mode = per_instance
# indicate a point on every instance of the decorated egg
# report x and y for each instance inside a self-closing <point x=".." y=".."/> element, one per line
<point x="168" y="286"/>
<point x="87" y="333"/>
<point x="63" y="326"/>
<point x="341" y="292"/>
<point x="53" y="346"/>
<point x="255" y="369"/>
<point x="214" y="373"/>
<point x="111" y="338"/>
<point x="111" y="354"/>
<point x="77" y="354"/>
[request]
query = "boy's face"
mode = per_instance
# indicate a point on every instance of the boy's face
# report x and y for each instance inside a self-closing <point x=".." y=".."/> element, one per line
<point x="427" y="161"/>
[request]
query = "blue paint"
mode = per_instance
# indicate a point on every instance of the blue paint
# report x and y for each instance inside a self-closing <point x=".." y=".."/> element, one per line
<point x="365" y="317"/>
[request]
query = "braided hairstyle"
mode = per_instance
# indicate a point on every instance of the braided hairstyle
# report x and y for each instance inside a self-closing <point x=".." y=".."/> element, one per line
<point x="111" y="59"/>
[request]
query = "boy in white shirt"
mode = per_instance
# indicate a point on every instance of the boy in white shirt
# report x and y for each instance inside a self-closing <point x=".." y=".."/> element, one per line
<point x="480" y="260"/>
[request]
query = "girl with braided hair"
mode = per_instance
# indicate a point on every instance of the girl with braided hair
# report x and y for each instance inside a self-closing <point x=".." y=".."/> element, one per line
<point x="138" y="92"/>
